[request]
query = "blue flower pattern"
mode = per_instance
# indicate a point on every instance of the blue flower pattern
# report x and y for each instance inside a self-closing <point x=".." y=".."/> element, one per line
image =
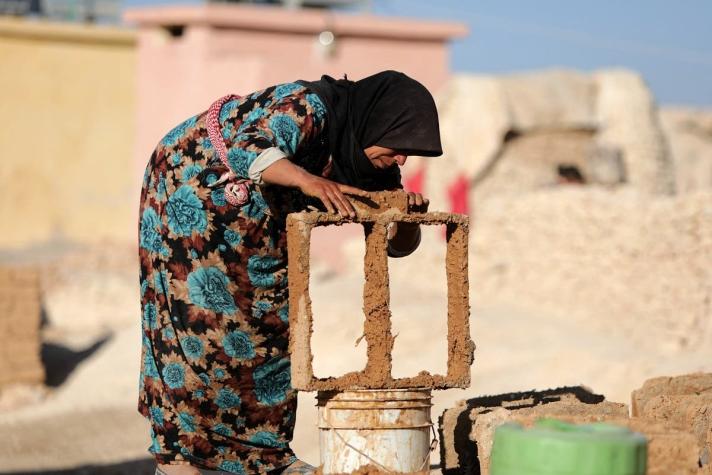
<point x="218" y="197"/>
<point x="213" y="363"/>
<point x="208" y="288"/>
<point x="237" y="344"/>
<point x="150" y="236"/>
<point x="272" y="381"/>
<point x="284" y="313"/>
<point x="227" y="399"/>
<point x="240" y="160"/>
<point x="161" y="190"/>
<point x="150" y="316"/>
<point x="284" y="90"/>
<point x="232" y="466"/>
<point x="257" y="206"/>
<point x="192" y="347"/>
<point x="227" y="110"/>
<point x="260" y="270"/>
<point x="222" y="429"/>
<point x="185" y="212"/>
<point x="286" y="132"/>
<point x="233" y="238"/>
<point x="191" y="171"/>
<point x="161" y="282"/>
<point x="174" y="375"/>
<point x="149" y="365"/>
<point x="267" y="439"/>
<point x="157" y="415"/>
<point x="255" y="115"/>
<point x="317" y="106"/>
<point x="260" y="308"/>
<point x="186" y="422"/>
<point x="155" y="447"/>
<point x="178" y="132"/>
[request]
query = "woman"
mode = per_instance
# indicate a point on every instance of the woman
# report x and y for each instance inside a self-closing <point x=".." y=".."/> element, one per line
<point x="215" y="379"/>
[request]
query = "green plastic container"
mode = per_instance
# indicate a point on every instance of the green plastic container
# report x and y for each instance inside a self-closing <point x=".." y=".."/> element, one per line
<point x="553" y="447"/>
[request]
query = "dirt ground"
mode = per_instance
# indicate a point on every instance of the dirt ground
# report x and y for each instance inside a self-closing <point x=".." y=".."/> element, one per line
<point x="88" y="419"/>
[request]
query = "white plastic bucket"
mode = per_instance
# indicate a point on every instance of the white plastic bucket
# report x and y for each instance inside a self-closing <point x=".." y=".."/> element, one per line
<point x="388" y="429"/>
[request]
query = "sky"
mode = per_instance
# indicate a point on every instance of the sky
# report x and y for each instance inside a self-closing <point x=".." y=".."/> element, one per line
<point x="668" y="42"/>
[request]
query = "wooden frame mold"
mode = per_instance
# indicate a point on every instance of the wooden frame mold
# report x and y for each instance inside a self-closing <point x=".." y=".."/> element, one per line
<point x="377" y="325"/>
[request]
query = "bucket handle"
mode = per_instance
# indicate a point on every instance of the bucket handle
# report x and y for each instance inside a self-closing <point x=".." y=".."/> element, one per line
<point x="433" y="446"/>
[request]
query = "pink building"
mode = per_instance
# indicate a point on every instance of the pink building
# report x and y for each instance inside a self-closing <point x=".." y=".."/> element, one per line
<point x="190" y="55"/>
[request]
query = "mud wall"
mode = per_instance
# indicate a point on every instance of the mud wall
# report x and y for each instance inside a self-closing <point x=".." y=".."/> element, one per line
<point x="620" y="261"/>
<point x="66" y="172"/>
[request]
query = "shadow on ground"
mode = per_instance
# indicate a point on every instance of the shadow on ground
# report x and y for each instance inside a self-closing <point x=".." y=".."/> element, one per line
<point x="134" y="467"/>
<point x="466" y="449"/>
<point x="59" y="361"/>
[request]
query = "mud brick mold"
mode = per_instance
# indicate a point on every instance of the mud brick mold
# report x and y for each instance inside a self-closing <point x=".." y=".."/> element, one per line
<point x="375" y="213"/>
<point x="20" y="313"/>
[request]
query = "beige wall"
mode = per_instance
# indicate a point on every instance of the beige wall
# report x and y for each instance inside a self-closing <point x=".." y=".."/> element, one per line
<point x="67" y="99"/>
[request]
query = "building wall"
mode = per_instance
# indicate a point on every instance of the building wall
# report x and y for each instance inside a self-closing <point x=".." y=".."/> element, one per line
<point x="67" y="98"/>
<point x="225" y="49"/>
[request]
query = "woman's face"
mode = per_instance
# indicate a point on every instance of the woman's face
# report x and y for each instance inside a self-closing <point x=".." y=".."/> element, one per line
<point x="384" y="157"/>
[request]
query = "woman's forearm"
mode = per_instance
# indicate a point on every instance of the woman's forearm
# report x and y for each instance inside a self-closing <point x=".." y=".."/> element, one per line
<point x="285" y="173"/>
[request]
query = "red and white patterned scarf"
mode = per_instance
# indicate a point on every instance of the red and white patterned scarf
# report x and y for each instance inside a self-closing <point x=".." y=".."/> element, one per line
<point x="237" y="191"/>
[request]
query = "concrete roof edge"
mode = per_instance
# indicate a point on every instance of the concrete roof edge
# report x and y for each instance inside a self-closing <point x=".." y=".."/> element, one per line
<point x="252" y="17"/>
<point x="80" y="33"/>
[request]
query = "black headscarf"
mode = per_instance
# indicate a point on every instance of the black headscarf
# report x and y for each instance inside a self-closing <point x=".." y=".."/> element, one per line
<point x="387" y="109"/>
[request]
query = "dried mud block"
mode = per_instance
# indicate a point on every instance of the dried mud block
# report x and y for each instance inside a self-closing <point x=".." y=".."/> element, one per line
<point x="671" y="451"/>
<point x="466" y="430"/>
<point x="687" y="384"/>
<point x="692" y="412"/>
<point x="20" y="315"/>
<point x="383" y="209"/>
<point x="682" y="401"/>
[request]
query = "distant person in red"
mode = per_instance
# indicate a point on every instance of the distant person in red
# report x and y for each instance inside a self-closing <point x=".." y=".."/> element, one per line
<point x="215" y="374"/>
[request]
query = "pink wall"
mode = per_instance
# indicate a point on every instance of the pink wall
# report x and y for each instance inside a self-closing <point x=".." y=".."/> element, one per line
<point x="242" y="48"/>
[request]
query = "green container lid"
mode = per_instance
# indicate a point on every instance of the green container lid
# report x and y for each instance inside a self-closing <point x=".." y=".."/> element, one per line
<point x="553" y="447"/>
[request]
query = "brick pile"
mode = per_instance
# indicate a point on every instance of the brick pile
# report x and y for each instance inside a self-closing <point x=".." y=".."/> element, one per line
<point x="675" y="415"/>
<point x="20" y="315"/>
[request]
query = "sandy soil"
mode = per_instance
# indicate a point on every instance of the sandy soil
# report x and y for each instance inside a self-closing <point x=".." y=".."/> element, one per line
<point x="90" y="419"/>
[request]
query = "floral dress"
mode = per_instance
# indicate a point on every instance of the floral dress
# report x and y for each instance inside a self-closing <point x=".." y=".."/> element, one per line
<point x="215" y="372"/>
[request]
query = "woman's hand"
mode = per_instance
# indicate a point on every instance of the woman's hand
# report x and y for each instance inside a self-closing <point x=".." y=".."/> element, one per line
<point x="404" y="238"/>
<point x="332" y="194"/>
<point x="417" y="202"/>
<point x="285" y="173"/>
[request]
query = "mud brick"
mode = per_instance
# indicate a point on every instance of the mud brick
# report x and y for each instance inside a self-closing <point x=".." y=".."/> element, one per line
<point x="20" y="314"/>
<point x="467" y="430"/>
<point x="687" y="384"/>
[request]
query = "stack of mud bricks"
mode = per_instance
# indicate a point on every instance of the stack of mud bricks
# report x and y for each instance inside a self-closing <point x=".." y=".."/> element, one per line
<point x="675" y="414"/>
<point x="376" y="213"/>
<point x="19" y="326"/>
